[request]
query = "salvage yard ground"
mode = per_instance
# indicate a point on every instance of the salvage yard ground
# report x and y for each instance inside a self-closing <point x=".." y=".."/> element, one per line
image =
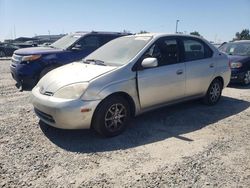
<point x="185" y="145"/>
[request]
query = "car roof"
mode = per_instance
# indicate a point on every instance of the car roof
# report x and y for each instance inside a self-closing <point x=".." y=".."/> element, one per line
<point x="100" y="32"/>
<point x="241" y="41"/>
<point x="157" y="35"/>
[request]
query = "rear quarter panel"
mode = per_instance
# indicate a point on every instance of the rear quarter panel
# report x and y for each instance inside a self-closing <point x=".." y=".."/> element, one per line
<point x="222" y="68"/>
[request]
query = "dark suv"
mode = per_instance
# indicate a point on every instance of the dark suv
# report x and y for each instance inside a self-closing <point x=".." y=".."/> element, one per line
<point x="30" y="64"/>
<point x="239" y="55"/>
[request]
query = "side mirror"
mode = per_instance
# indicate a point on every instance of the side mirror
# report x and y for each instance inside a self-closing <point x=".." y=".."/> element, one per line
<point x="149" y="62"/>
<point x="77" y="47"/>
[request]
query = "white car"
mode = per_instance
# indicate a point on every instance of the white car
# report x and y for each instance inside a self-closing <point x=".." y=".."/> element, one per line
<point x="128" y="76"/>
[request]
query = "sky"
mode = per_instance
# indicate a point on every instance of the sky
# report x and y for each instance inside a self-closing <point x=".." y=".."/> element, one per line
<point x="215" y="20"/>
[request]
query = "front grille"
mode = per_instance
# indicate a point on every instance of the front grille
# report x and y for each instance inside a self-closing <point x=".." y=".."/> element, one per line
<point x="48" y="93"/>
<point x="44" y="116"/>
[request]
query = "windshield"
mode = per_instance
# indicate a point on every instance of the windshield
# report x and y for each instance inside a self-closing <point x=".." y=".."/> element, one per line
<point x="66" y="41"/>
<point x="241" y="49"/>
<point x="119" y="51"/>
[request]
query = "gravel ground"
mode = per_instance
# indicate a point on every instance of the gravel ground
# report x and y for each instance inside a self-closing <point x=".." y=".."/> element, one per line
<point x="186" y="145"/>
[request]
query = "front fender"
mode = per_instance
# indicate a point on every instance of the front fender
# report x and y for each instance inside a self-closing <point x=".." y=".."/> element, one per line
<point x="125" y="86"/>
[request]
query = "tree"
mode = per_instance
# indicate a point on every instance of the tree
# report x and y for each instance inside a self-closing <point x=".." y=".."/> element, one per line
<point x="243" y="35"/>
<point x="142" y="31"/>
<point x="195" y="33"/>
<point x="126" y="31"/>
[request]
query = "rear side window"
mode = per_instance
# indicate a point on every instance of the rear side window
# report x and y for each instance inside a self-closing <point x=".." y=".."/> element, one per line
<point x="195" y="49"/>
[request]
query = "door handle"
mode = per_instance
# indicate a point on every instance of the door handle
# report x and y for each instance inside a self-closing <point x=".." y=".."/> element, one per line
<point x="179" y="72"/>
<point x="211" y="65"/>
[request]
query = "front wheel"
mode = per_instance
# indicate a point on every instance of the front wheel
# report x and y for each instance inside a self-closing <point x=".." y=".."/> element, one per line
<point x="246" y="80"/>
<point x="111" y="116"/>
<point x="213" y="93"/>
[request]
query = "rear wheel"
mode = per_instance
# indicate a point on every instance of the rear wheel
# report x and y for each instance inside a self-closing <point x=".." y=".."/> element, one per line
<point x="111" y="116"/>
<point x="247" y="78"/>
<point x="213" y="93"/>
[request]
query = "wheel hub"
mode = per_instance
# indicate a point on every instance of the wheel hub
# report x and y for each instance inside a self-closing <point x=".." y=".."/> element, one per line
<point x="215" y="92"/>
<point x="115" y="117"/>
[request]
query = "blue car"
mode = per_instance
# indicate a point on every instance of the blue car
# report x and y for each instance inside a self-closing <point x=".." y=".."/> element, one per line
<point x="239" y="56"/>
<point x="29" y="65"/>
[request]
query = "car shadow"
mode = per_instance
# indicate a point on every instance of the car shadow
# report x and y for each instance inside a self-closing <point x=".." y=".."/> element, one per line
<point x="154" y="126"/>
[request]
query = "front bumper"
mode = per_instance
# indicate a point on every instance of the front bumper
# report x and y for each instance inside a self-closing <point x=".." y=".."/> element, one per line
<point x="26" y="74"/>
<point x="63" y="113"/>
<point x="22" y="79"/>
<point x="237" y="76"/>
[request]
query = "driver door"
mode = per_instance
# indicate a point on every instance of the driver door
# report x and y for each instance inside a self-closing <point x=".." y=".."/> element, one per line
<point x="166" y="82"/>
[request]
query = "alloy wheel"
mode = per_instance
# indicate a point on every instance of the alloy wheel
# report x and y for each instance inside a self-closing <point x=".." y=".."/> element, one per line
<point x="115" y="117"/>
<point x="215" y="92"/>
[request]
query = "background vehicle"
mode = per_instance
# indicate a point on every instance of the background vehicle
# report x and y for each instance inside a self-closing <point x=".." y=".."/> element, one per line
<point x="239" y="55"/>
<point x="31" y="64"/>
<point x="7" y="49"/>
<point x="128" y="76"/>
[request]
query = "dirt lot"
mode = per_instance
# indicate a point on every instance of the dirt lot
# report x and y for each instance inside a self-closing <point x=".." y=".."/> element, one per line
<point x="186" y="145"/>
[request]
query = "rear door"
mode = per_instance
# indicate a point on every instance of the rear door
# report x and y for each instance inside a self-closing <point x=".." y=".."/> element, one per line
<point x="166" y="82"/>
<point x="200" y="66"/>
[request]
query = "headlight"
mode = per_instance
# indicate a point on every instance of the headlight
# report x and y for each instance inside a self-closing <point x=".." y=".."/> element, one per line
<point x="31" y="57"/>
<point x="72" y="91"/>
<point x="235" y="65"/>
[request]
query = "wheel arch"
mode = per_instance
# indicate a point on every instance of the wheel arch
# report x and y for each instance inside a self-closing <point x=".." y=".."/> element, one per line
<point x="220" y="79"/>
<point x="122" y="94"/>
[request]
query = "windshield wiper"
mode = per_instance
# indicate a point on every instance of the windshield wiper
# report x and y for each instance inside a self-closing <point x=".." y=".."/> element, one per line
<point x="95" y="61"/>
<point x="52" y="46"/>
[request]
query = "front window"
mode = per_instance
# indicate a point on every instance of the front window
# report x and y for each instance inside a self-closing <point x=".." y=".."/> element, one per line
<point x="89" y="42"/>
<point x="120" y="51"/>
<point x="66" y="41"/>
<point x="240" y="49"/>
<point x="165" y="51"/>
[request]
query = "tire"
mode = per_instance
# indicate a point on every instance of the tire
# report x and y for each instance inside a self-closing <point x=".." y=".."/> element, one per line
<point x="45" y="71"/>
<point x="246" y="80"/>
<point x="213" y="93"/>
<point x="111" y="116"/>
<point x="2" y="54"/>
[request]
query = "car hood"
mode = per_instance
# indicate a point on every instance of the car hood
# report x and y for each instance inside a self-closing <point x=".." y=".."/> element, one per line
<point x="37" y="50"/>
<point x="69" y="74"/>
<point x="234" y="58"/>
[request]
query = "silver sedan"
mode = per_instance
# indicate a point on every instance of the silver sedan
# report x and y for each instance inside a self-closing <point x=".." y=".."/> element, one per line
<point x="128" y="76"/>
